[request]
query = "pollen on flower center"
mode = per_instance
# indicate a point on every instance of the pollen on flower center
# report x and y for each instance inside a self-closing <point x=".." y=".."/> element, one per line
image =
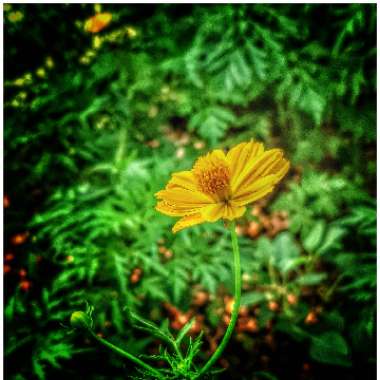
<point x="213" y="176"/>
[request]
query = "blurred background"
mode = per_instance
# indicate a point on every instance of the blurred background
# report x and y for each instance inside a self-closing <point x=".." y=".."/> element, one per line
<point x="103" y="102"/>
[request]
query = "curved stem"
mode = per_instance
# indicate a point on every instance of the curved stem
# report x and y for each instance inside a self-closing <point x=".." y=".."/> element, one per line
<point x="235" y="310"/>
<point x="125" y="354"/>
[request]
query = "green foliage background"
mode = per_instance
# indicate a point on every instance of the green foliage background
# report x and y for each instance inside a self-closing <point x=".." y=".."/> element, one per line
<point x="95" y="124"/>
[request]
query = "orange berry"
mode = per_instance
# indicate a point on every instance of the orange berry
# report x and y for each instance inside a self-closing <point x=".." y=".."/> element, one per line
<point x="176" y="325"/>
<point x="135" y="278"/>
<point x="273" y="306"/>
<point x="229" y="304"/>
<point x="256" y="210"/>
<point x="162" y="249"/>
<point x="168" y="254"/>
<point x="9" y="257"/>
<point x="7" y="268"/>
<point x="25" y="285"/>
<point x="226" y="319"/>
<point x="70" y="258"/>
<point x="22" y="273"/>
<point x="199" y="145"/>
<point x="19" y="238"/>
<point x="311" y="318"/>
<point x="183" y="319"/>
<point x="246" y="324"/>
<point x="200" y="298"/>
<point x="244" y="311"/>
<point x="196" y="328"/>
<point x="292" y="299"/>
<point x="252" y="325"/>
<point x="253" y="230"/>
<point x="6" y="201"/>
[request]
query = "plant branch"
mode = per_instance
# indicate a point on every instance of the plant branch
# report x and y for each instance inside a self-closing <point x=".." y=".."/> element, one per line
<point x="126" y="354"/>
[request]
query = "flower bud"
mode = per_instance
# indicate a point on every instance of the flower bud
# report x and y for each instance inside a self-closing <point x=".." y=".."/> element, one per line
<point x="80" y="320"/>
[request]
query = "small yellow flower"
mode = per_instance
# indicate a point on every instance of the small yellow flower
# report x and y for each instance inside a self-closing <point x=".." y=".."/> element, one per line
<point x="98" y="22"/>
<point x="220" y="185"/>
<point x="40" y="72"/>
<point x="131" y="32"/>
<point x="19" y="82"/>
<point x="97" y="42"/>
<point x="15" y="16"/>
<point x="49" y="62"/>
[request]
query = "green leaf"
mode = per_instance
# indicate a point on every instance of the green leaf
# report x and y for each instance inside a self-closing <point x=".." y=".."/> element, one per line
<point x="331" y="348"/>
<point x="310" y="279"/>
<point x="252" y="298"/>
<point x="331" y="241"/>
<point x="314" y="238"/>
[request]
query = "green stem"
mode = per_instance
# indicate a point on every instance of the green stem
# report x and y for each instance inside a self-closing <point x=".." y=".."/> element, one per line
<point x="235" y="310"/>
<point x="177" y="350"/>
<point x="125" y="354"/>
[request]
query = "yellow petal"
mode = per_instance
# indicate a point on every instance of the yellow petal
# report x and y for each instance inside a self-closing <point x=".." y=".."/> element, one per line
<point x="213" y="212"/>
<point x="255" y="168"/>
<point x="255" y="186"/>
<point x="184" y="179"/>
<point x="233" y="212"/>
<point x="281" y="169"/>
<point x="247" y="199"/>
<point x="184" y="197"/>
<point x="188" y="221"/>
<point x="218" y="211"/>
<point x="241" y="154"/>
<point x="172" y="210"/>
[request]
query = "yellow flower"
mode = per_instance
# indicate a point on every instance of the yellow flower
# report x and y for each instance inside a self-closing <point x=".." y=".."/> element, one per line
<point x="98" y="22"/>
<point x="15" y="16"/>
<point x="97" y="42"/>
<point x="131" y="32"/>
<point x="40" y="72"/>
<point x="49" y="62"/>
<point x="220" y="185"/>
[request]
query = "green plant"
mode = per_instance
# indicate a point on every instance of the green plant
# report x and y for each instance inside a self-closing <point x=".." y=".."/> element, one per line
<point x="180" y="366"/>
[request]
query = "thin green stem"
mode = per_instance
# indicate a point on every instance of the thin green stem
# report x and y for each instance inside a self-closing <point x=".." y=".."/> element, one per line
<point x="125" y="354"/>
<point x="177" y="350"/>
<point x="235" y="310"/>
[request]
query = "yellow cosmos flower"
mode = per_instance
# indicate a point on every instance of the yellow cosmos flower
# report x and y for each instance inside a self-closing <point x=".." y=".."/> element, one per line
<point x="220" y="185"/>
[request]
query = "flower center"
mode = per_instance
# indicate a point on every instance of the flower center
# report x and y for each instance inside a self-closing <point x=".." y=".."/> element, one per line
<point x="212" y="174"/>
